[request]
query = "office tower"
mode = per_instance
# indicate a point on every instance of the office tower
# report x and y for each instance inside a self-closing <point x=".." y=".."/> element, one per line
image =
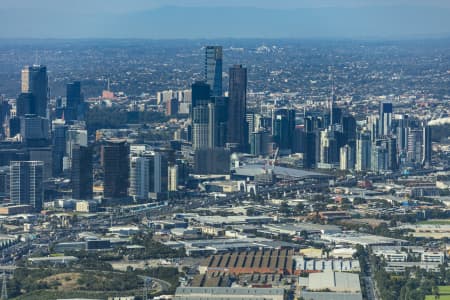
<point x="363" y="152"/>
<point x="35" y="81"/>
<point x="172" y="107"/>
<point x="217" y="123"/>
<point x="75" y="135"/>
<point x="26" y="179"/>
<point x="385" y="118"/>
<point x="212" y="161"/>
<point x="346" y="160"/>
<point x="115" y="164"/>
<point x="299" y="141"/>
<point x="415" y="146"/>
<point x="200" y="127"/>
<point x="45" y="155"/>
<point x="390" y="144"/>
<point x="59" y="134"/>
<point x="335" y="115"/>
<point x="313" y="123"/>
<point x="259" y="142"/>
<point x="148" y="175"/>
<point x="427" y="146"/>
<point x="173" y="178"/>
<point x="74" y="102"/>
<point x="201" y="95"/>
<point x="312" y="148"/>
<point x="329" y="154"/>
<point x="213" y="69"/>
<point x="81" y="173"/>
<point x="402" y="124"/>
<point x="237" y="108"/>
<point x="25" y="104"/>
<point x="373" y="124"/>
<point x="283" y="126"/>
<point x="34" y="130"/>
<point x="379" y="162"/>
<point x="200" y="114"/>
<point x="349" y="129"/>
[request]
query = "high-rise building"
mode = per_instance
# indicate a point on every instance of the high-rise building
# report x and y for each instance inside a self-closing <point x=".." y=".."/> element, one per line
<point x="115" y="164"/>
<point x="346" y="160"/>
<point x="201" y="95"/>
<point x="172" y="107"/>
<point x="26" y="178"/>
<point x="43" y="154"/>
<point x="74" y="102"/>
<point x="148" y="175"/>
<point x="379" y="158"/>
<point x="59" y="134"/>
<point x="173" y="178"/>
<point x="81" y="173"/>
<point x="200" y="122"/>
<point x="217" y="122"/>
<point x="213" y="69"/>
<point x="385" y="118"/>
<point x="237" y="108"/>
<point x="34" y="128"/>
<point x="259" y="142"/>
<point x="35" y="81"/>
<point x="212" y="161"/>
<point x="363" y="152"/>
<point x="415" y="145"/>
<point x="329" y="151"/>
<point x="25" y="104"/>
<point x="283" y="126"/>
<point x="427" y="146"/>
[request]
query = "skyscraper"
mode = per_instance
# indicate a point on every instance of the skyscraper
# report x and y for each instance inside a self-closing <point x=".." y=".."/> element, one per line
<point x="74" y="102"/>
<point x="148" y="175"/>
<point x="26" y="178"/>
<point x="363" y="152"/>
<point x="201" y="95"/>
<point x="25" y="104"/>
<point x="346" y="160"/>
<point x="81" y="172"/>
<point x="213" y="69"/>
<point x="35" y="81"/>
<point x="283" y="126"/>
<point x="237" y="108"/>
<point x="116" y="167"/>
<point x="385" y="118"/>
<point x="427" y="150"/>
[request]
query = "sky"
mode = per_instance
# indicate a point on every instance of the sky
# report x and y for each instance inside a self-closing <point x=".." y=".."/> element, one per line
<point x="224" y="18"/>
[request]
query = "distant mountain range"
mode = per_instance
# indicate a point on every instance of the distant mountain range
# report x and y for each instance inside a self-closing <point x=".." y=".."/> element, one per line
<point x="233" y="22"/>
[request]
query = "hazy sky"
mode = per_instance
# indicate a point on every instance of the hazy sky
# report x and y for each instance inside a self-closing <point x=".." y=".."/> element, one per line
<point x="223" y="18"/>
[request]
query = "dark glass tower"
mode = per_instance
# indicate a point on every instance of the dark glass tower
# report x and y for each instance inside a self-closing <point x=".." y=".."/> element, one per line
<point x="35" y="81"/>
<point x="237" y="108"/>
<point x="74" y="104"/>
<point x="25" y="104"/>
<point x="81" y="173"/>
<point x="213" y="69"/>
<point x="116" y="167"/>
<point x="283" y="126"/>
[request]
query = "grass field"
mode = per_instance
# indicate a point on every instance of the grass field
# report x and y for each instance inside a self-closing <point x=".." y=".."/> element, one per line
<point x="436" y="222"/>
<point x="444" y="292"/>
<point x="432" y="297"/>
